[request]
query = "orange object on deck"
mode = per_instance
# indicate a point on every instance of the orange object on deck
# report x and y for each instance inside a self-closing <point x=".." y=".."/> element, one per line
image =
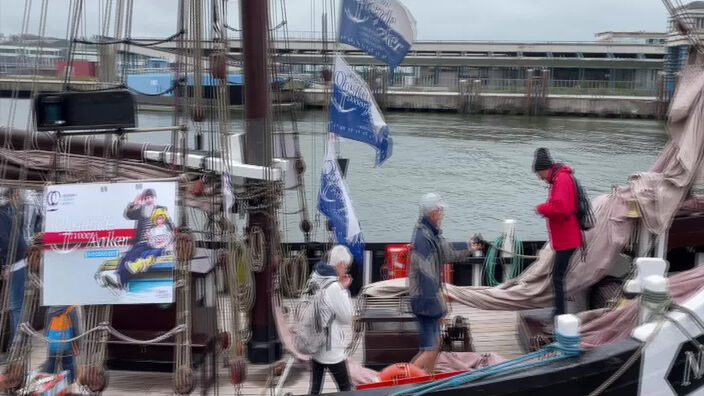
<point x="407" y="381"/>
<point x="401" y="371"/>
<point x="397" y="260"/>
<point x="447" y="273"/>
<point x="448" y="277"/>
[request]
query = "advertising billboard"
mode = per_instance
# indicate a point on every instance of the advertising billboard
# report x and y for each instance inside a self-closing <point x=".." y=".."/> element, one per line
<point x="109" y="243"/>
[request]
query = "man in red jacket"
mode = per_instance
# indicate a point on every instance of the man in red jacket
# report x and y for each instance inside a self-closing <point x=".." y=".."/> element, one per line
<point x="560" y="210"/>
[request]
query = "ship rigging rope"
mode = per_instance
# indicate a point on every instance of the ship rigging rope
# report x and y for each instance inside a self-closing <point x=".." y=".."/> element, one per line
<point x="180" y="82"/>
<point x="680" y="14"/>
<point x="20" y="348"/>
<point x="256" y="249"/>
<point x="104" y="326"/>
<point x="94" y="343"/>
<point x="277" y="27"/>
<point x="500" y="249"/>
<point x="283" y="136"/>
<point x="15" y="89"/>
<point x="237" y="275"/>
<point x="72" y="32"/>
<point x="131" y="41"/>
<point x="293" y="274"/>
<point x="661" y="313"/>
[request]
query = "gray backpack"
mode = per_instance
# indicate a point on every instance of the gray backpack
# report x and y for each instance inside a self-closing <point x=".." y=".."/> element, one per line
<point x="312" y="334"/>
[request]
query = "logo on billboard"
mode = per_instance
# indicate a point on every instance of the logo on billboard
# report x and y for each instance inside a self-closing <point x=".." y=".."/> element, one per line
<point x="52" y="200"/>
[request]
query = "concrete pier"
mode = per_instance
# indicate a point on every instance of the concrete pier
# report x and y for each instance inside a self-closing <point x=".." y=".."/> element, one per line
<point x="507" y="103"/>
<point x="432" y="99"/>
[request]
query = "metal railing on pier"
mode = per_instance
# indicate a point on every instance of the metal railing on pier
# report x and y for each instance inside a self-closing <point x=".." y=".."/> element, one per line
<point x="518" y="85"/>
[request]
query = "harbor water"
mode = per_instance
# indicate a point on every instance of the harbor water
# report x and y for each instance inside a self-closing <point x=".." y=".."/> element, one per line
<point x="480" y="164"/>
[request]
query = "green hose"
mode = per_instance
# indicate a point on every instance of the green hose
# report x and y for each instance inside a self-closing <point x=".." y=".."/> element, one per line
<point x="490" y="261"/>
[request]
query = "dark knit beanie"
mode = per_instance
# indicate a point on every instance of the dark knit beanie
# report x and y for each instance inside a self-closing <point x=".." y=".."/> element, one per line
<point x="542" y="160"/>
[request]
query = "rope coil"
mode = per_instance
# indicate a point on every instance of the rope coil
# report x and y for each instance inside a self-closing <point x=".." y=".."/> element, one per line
<point x="490" y="261"/>
<point x="293" y="274"/>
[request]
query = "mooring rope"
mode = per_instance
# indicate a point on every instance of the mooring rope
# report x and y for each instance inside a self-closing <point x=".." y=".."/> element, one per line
<point x="664" y="304"/>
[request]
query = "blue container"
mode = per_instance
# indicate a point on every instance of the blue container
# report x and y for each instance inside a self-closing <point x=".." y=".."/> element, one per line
<point x="150" y="83"/>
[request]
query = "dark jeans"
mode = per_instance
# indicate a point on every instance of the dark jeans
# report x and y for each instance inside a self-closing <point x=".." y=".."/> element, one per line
<point x="141" y="250"/>
<point x="562" y="261"/>
<point x="429" y="333"/>
<point x="66" y="364"/>
<point x="17" y="284"/>
<point x="338" y="371"/>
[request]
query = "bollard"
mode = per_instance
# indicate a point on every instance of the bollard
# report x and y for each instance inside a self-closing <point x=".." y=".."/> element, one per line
<point x="645" y="267"/>
<point x="632" y="287"/>
<point x="508" y="246"/>
<point x="477" y="270"/>
<point x="567" y="325"/>
<point x="567" y="334"/>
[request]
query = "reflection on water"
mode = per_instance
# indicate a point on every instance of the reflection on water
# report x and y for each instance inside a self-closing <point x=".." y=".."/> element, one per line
<point x="480" y="164"/>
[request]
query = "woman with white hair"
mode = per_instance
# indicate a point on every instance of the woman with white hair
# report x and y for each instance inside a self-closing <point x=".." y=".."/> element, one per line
<point x="336" y="309"/>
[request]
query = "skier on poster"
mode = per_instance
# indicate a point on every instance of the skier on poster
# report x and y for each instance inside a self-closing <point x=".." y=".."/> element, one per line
<point x="153" y="238"/>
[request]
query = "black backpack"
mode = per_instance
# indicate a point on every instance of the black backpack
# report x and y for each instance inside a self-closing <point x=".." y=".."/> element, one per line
<point x="585" y="216"/>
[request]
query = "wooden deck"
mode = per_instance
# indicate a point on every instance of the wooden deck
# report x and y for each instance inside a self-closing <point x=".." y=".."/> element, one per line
<point x="492" y="331"/>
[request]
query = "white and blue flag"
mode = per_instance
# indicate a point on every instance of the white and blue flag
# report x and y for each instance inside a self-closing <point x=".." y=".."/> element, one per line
<point x="335" y="203"/>
<point x="384" y="29"/>
<point x="354" y="113"/>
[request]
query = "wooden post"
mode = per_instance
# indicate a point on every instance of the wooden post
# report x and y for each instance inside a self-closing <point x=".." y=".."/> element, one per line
<point x="265" y="346"/>
<point x="528" y="81"/>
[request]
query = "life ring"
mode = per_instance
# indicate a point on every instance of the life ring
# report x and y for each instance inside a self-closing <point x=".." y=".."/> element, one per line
<point x="401" y="371"/>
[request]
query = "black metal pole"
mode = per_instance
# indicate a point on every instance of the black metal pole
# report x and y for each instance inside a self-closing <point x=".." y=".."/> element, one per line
<point x="264" y="346"/>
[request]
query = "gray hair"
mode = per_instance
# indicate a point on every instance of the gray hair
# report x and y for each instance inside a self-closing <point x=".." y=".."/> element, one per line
<point x="340" y="254"/>
<point x="431" y="202"/>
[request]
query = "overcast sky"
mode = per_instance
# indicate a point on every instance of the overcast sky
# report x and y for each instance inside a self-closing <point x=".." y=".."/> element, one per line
<point x="554" y="20"/>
